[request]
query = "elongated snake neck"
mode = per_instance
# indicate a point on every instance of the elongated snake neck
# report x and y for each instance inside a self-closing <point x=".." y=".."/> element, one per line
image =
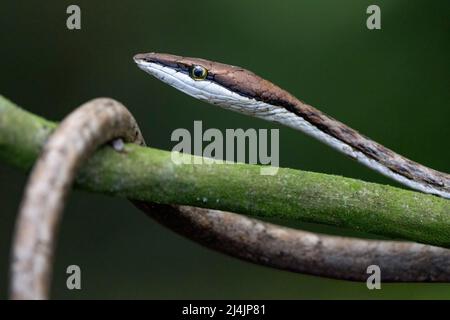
<point x="362" y="149"/>
<point x="395" y="163"/>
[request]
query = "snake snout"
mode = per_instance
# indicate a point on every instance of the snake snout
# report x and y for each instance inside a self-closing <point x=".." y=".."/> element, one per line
<point x="140" y="57"/>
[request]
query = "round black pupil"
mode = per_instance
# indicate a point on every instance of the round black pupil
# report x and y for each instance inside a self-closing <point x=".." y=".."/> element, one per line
<point x="198" y="71"/>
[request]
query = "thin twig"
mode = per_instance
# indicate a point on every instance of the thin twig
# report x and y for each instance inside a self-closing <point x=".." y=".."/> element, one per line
<point x="304" y="252"/>
<point x="101" y="120"/>
<point x="89" y="126"/>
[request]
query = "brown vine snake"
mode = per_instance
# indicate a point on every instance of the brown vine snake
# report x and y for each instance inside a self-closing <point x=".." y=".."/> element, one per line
<point x="237" y="89"/>
<point x="103" y="120"/>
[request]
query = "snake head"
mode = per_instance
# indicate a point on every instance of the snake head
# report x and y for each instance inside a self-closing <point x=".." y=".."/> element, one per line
<point x="226" y="85"/>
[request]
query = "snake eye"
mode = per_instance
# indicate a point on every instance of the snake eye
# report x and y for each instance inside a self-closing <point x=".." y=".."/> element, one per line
<point x="198" y="73"/>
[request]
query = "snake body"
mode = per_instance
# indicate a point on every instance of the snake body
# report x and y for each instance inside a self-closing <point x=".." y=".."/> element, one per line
<point x="240" y="90"/>
<point x="102" y="120"/>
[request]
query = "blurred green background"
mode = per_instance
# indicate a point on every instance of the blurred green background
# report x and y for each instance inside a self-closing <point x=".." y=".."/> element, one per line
<point x="390" y="84"/>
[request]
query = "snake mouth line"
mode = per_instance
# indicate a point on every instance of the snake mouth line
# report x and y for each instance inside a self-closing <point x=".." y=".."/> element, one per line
<point x="190" y="87"/>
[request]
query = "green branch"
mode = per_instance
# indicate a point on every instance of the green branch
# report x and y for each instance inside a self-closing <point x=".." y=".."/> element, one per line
<point x="149" y="174"/>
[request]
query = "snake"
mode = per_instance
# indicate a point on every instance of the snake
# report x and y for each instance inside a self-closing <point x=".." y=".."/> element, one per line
<point x="240" y="90"/>
<point x="104" y="120"/>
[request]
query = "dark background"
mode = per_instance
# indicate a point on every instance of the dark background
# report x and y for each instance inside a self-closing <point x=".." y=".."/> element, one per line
<point x="390" y="84"/>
